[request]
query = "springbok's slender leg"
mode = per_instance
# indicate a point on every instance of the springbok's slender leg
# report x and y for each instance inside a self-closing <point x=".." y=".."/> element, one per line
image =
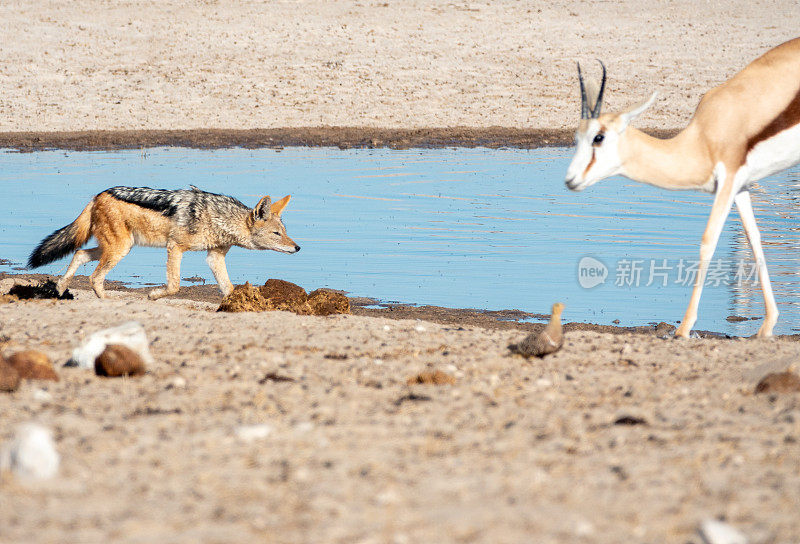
<point x="81" y="257"/>
<point x="716" y="220"/>
<point x="174" y="255"/>
<point x="754" y="237"/>
<point x="216" y="262"/>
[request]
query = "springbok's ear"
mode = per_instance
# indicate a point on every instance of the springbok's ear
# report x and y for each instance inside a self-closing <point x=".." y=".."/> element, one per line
<point x="261" y="210"/>
<point x="637" y="110"/>
<point x="278" y="207"/>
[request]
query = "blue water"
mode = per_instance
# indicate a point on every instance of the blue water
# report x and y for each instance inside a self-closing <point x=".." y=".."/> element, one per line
<point x="466" y="228"/>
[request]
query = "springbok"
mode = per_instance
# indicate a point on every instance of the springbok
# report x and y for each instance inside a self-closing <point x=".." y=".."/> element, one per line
<point x="745" y="129"/>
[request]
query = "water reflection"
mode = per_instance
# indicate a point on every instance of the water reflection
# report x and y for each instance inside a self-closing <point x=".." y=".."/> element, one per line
<point x="479" y="228"/>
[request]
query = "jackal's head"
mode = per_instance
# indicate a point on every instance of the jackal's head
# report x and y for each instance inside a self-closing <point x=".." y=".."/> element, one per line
<point x="266" y="228"/>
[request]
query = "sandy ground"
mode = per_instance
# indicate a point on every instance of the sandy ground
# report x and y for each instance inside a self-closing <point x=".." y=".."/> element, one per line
<point x="515" y="451"/>
<point x="67" y="66"/>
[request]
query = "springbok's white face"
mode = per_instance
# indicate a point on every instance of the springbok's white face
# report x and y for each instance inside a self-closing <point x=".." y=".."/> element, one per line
<point x="598" y="138"/>
<point x="596" y="154"/>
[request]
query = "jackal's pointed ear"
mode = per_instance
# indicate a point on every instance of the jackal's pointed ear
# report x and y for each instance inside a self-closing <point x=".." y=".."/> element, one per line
<point x="261" y="210"/>
<point x="278" y="207"/>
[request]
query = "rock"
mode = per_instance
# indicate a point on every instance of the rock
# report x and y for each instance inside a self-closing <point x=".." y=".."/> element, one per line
<point x="713" y="531"/>
<point x="31" y="454"/>
<point x="118" y="360"/>
<point x="779" y="382"/>
<point x="130" y="334"/>
<point x="328" y="302"/>
<point x="437" y="377"/>
<point x="33" y="365"/>
<point x="9" y="377"/>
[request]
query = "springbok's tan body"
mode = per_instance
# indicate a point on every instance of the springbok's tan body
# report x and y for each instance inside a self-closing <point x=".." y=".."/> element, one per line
<point x="743" y="130"/>
<point x="180" y="220"/>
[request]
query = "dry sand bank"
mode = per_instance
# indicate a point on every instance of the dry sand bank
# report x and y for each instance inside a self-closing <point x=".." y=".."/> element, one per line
<point x="516" y="450"/>
<point x="139" y="65"/>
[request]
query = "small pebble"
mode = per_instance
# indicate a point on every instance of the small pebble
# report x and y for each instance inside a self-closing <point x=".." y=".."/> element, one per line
<point x="42" y="396"/>
<point x="249" y="433"/>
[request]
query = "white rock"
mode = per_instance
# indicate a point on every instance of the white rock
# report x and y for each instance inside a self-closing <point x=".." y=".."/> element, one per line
<point x="304" y="427"/>
<point x="387" y="328"/>
<point x="419" y="328"/>
<point x="31" y="454"/>
<point x="717" y="532"/>
<point x="130" y="334"/>
<point x="42" y="396"/>
<point x="178" y="382"/>
<point x="249" y="433"/>
<point x="584" y="528"/>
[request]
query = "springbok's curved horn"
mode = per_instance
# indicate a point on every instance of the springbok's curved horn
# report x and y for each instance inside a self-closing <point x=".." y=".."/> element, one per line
<point x="584" y="100"/>
<point x="599" y="102"/>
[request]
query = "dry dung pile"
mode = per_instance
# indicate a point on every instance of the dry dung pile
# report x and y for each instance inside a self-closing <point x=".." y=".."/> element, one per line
<point x="284" y="295"/>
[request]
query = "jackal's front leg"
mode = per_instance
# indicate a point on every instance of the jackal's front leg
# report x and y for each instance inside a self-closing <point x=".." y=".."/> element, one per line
<point x="216" y="261"/>
<point x="174" y="255"/>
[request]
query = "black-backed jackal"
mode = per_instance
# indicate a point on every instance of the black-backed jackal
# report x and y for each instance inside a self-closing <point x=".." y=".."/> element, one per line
<point x="180" y="220"/>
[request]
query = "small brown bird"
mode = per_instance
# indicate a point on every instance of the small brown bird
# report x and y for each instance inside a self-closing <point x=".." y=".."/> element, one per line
<point x="546" y="342"/>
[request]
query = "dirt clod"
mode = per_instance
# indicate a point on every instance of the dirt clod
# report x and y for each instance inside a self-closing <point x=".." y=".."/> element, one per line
<point x="779" y="382"/>
<point x="118" y="360"/>
<point x="33" y="365"/>
<point x="436" y="377"/>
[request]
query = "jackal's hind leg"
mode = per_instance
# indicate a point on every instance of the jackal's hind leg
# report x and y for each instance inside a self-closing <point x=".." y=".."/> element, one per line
<point x="108" y="260"/>
<point x="81" y="257"/>
<point x="174" y="255"/>
<point x="216" y="261"/>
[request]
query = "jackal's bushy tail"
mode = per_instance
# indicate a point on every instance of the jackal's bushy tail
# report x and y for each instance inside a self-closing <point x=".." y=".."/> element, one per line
<point x="63" y="241"/>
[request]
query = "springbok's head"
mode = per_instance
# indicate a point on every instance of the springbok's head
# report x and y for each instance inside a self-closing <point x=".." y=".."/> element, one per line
<point x="598" y="138"/>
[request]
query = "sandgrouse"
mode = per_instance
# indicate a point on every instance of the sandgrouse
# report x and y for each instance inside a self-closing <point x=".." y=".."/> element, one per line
<point x="546" y="342"/>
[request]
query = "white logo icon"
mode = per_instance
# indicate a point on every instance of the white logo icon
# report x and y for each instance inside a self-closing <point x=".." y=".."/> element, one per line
<point x="591" y="272"/>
